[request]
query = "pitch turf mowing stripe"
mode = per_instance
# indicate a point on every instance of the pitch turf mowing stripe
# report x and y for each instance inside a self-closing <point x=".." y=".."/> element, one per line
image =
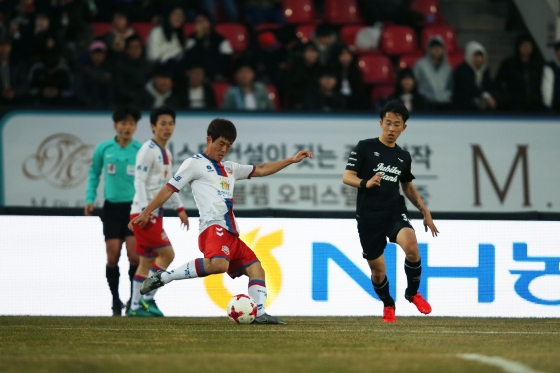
<point x="506" y="365"/>
<point x="278" y="329"/>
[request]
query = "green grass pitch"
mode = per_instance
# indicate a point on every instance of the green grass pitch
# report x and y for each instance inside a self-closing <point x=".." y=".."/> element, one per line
<point x="306" y="344"/>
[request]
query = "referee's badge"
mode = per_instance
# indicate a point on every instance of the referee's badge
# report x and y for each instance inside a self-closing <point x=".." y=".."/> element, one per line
<point x="111" y="168"/>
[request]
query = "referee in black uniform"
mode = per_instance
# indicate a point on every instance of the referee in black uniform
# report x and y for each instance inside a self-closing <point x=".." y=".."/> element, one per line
<point x="115" y="159"/>
<point x="376" y="167"/>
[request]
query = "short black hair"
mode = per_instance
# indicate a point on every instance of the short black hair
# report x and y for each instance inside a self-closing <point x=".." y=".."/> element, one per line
<point x="222" y="128"/>
<point x="162" y="110"/>
<point x="396" y="107"/>
<point x="121" y="112"/>
<point x="324" y="29"/>
<point x="132" y="38"/>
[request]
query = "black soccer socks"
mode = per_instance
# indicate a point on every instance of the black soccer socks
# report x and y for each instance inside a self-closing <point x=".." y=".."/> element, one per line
<point x="131" y="273"/>
<point x="113" y="274"/>
<point x="382" y="291"/>
<point x="413" y="273"/>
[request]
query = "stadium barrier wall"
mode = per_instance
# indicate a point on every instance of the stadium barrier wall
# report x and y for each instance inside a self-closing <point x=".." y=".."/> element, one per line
<point x="462" y="164"/>
<point x="314" y="267"/>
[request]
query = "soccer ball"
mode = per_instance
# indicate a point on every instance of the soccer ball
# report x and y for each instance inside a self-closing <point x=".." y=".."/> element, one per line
<point x="242" y="309"/>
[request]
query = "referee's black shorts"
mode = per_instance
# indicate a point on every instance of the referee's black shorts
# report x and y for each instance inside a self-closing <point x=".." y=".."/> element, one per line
<point x="115" y="218"/>
<point x="377" y="226"/>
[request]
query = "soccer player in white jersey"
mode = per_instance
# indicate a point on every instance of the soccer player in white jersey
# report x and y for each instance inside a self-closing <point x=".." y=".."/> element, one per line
<point x="153" y="168"/>
<point x="212" y="181"/>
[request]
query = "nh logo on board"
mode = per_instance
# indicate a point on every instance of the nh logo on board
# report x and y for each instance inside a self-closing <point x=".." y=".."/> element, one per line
<point x="323" y="253"/>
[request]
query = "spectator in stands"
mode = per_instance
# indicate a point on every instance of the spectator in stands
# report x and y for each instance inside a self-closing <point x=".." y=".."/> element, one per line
<point x="166" y="41"/>
<point x="116" y="38"/>
<point x="349" y="80"/>
<point x="95" y="85"/>
<point x="520" y="78"/>
<point x="269" y="59"/>
<point x="262" y="11"/>
<point x="434" y="75"/>
<point x="325" y="97"/>
<point x="327" y="44"/>
<point x="551" y="81"/>
<point x="158" y="91"/>
<point x="228" y="6"/>
<point x="247" y="94"/>
<point x="51" y="83"/>
<point x="390" y="10"/>
<point x="303" y="76"/>
<point x="406" y="90"/>
<point x="133" y="70"/>
<point x="472" y="87"/>
<point x="198" y="94"/>
<point x="74" y="27"/>
<point x="43" y="42"/>
<point x="208" y="47"/>
<point x="13" y="77"/>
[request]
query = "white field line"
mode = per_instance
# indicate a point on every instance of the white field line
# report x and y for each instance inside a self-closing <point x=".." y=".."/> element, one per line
<point x="280" y="330"/>
<point x="506" y="365"/>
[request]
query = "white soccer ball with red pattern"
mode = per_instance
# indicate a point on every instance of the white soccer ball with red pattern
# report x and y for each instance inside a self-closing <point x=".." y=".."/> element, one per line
<point x="242" y="309"/>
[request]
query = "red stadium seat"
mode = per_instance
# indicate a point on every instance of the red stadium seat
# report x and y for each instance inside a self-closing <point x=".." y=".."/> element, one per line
<point x="348" y="34"/>
<point x="305" y="32"/>
<point x="236" y="34"/>
<point x="267" y="26"/>
<point x="188" y="28"/>
<point x="220" y="90"/>
<point x="143" y="29"/>
<point x="376" y="69"/>
<point x="429" y="8"/>
<point x="342" y="12"/>
<point x="299" y="11"/>
<point x="408" y="61"/>
<point x="447" y="34"/>
<point x="273" y="95"/>
<point x="101" y="28"/>
<point x="398" y="40"/>
<point x="456" y="59"/>
<point x="381" y="92"/>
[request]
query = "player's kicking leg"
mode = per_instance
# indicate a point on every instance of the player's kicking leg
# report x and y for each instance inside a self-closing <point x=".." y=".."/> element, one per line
<point x="380" y="284"/>
<point x="164" y="259"/>
<point x="406" y="238"/>
<point x="257" y="291"/>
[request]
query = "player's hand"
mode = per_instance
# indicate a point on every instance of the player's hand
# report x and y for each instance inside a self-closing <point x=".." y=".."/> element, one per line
<point x="141" y="220"/>
<point x="184" y="219"/>
<point x="429" y="223"/>
<point x="374" y="181"/>
<point x="301" y="155"/>
<point x="88" y="209"/>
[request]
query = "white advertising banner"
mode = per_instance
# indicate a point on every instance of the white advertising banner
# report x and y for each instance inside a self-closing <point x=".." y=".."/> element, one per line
<point x="461" y="164"/>
<point x="313" y="267"/>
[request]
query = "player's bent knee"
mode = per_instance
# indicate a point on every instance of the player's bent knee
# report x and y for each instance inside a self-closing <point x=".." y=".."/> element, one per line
<point x="377" y="277"/>
<point x="216" y="266"/>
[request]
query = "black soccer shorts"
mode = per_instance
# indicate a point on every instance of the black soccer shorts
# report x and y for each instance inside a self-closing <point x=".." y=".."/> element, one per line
<point x="377" y="226"/>
<point x="115" y="218"/>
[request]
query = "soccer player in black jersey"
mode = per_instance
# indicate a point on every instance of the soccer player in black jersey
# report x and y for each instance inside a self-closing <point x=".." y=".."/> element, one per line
<point x="376" y="167"/>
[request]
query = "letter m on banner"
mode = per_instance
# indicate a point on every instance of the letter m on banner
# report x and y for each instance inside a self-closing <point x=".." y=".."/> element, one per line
<point x="520" y="157"/>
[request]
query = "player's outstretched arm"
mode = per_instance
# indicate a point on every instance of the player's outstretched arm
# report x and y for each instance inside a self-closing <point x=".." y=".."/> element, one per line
<point x="270" y="168"/>
<point x="414" y="197"/>
<point x="163" y="195"/>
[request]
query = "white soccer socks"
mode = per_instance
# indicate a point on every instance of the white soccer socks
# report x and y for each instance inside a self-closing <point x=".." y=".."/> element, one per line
<point x="257" y="291"/>
<point x="192" y="269"/>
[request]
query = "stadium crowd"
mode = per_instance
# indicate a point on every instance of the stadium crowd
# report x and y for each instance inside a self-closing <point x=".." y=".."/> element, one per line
<point x="343" y="55"/>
